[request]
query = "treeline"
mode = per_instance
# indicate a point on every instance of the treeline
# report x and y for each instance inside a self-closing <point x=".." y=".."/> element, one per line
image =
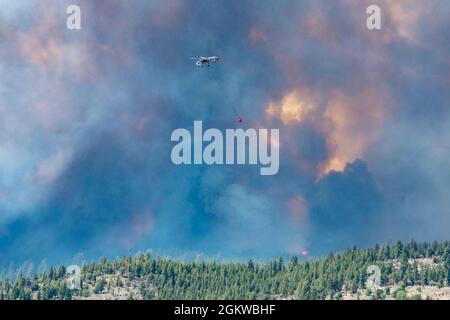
<point x="311" y="279"/>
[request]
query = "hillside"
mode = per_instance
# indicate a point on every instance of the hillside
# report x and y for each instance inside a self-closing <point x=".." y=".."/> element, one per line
<point x="407" y="271"/>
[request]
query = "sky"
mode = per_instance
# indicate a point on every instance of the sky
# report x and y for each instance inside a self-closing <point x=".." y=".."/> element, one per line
<point x="86" y="117"/>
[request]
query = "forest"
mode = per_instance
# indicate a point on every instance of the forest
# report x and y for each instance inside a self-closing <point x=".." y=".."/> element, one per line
<point x="146" y="277"/>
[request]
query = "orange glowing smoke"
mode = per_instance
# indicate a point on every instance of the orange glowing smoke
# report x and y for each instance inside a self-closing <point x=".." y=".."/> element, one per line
<point x="349" y="123"/>
<point x="354" y="123"/>
<point x="291" y="109"/>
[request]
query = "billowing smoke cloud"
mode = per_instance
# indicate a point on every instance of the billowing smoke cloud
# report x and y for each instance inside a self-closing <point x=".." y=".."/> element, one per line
<point x="86" y="118"/>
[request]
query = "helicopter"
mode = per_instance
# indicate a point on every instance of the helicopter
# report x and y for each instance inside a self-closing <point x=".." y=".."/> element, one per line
<point x="202" y="61"/>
